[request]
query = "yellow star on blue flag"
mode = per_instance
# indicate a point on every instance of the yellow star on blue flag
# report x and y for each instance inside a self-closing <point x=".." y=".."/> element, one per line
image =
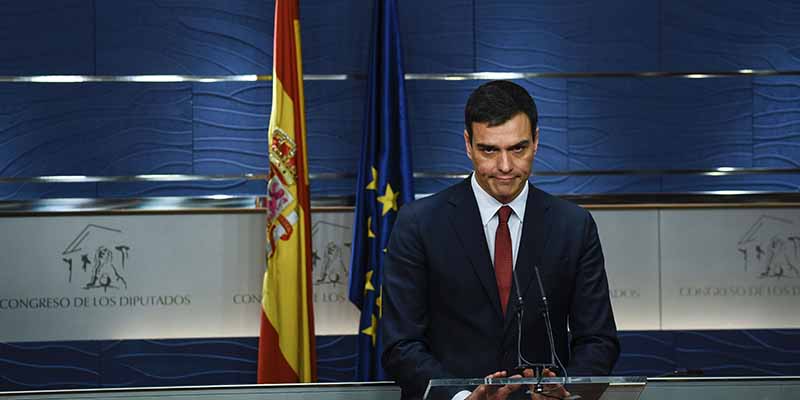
<point x="372" y="330"/>
<point x="388" y="200"/>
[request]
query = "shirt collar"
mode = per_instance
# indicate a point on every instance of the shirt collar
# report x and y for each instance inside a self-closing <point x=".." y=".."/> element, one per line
<point x="488" y="205"/>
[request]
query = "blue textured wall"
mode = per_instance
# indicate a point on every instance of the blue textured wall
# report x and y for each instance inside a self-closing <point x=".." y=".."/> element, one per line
<point x="586" y="123"/>
<point x="32" y="366"/>
<point x="43" y="37"/>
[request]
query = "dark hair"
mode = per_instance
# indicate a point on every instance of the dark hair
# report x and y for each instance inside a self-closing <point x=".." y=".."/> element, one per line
<point x="496" y="102"/>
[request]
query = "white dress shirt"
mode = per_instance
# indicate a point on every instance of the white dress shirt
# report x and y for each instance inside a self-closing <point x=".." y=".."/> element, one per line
<point x="488" y="207"/>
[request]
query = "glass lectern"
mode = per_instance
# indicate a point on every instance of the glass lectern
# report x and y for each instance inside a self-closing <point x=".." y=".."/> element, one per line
<point x="572" y="388"/>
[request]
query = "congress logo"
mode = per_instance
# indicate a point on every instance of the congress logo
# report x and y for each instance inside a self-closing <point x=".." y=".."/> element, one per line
<point x="771" y="248"/>
<point x="97" y="258"/>
<point x="330" y="254"/>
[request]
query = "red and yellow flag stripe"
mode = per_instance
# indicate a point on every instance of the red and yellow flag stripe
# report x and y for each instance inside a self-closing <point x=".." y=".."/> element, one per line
<point x="286" y="351"/>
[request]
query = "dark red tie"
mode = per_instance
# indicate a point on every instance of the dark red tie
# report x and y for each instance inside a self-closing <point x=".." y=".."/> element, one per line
<point x="503" y="260"/>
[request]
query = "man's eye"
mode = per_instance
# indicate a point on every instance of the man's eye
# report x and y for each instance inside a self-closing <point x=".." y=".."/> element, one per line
<point x="488" y="150"/>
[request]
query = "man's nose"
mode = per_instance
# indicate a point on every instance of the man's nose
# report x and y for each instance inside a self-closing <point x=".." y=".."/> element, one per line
<point x="504" y="162"/>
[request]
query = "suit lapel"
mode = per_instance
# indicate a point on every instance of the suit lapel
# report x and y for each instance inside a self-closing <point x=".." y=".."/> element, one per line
<point x="466" y="222"/>
<point x="535" y="234"/>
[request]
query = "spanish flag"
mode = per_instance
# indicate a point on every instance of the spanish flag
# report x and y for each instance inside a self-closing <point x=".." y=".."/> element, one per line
<point x="286" y="347"/>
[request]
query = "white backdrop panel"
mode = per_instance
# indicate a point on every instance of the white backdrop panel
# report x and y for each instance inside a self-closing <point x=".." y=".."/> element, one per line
<point x="630" y="247"/>
<point x="134" y="276"/>
<point x="730" y="269"/>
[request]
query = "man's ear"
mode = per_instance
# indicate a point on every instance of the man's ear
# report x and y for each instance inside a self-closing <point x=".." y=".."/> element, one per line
<point x="467" y="144"/>
<point x="535" y="140"/>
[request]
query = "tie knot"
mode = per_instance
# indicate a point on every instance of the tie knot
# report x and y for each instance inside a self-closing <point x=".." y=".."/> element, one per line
<point x="504" y="213"/>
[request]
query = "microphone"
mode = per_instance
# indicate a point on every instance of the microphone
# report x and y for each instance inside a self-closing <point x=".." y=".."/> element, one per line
<point x="547" y="324"/>
<point x="522" y="363"/>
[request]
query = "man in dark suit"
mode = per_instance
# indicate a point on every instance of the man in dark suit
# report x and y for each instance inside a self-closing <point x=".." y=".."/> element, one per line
<point x="447" y="282"/>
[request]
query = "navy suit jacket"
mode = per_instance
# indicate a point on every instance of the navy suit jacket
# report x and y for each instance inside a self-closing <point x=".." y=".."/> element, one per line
<point x="441" y="307"/>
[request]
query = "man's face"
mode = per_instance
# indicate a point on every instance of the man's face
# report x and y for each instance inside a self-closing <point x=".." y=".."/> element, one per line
<point x="502" y="156"/>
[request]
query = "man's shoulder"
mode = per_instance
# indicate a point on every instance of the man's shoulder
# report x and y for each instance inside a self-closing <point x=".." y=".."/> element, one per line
<point x="434" y="203"/>
<point x="564" y="208"/>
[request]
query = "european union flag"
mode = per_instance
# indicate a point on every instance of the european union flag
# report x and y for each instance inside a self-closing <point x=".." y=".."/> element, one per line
<point x="385" y="182"/>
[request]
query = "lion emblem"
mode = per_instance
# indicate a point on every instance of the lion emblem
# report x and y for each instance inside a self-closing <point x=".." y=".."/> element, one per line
<point x="104" y="273"/>
<point x="772" y="247"/>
